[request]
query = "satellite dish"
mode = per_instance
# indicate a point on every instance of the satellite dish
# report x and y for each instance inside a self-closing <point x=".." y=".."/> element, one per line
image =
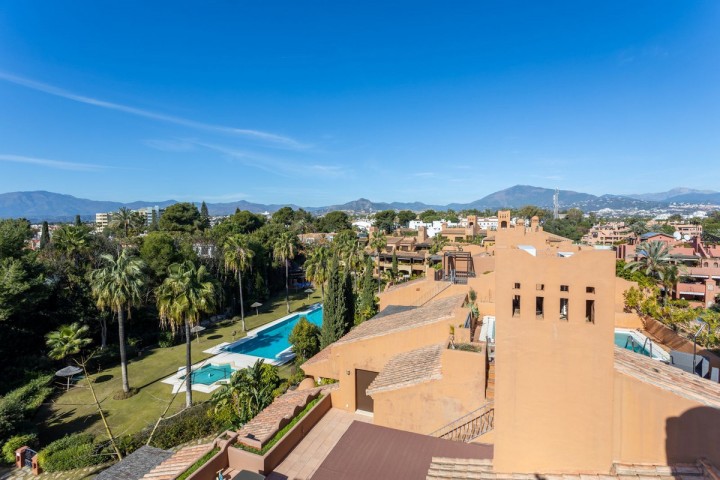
<point x="677" y="236"/>
<point x="686" y="237"/>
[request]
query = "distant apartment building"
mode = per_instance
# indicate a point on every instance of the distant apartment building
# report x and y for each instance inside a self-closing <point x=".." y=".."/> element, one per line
<point x="148" y="213"/>
<point x="608" y="234"/>
<point x="102" y="220"/>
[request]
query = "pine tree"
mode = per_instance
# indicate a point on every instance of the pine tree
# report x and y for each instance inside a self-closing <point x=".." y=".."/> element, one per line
<point x="349" y="295"/>
<point x="367" y="306"/>
<point x="334" y="309"/>
<point x="78" y="221"/>
<point x="44" y="235"/>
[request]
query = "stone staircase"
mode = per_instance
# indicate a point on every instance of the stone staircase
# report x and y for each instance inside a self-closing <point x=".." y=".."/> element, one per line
<point x="469" y="427"/>
<point x="178" y="463"/>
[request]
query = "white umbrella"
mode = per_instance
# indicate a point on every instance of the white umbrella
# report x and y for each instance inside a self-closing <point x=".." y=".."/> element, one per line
<point x="256" y="305"/>
<point x="309" y="291"/>
<point x="197" y="329"/>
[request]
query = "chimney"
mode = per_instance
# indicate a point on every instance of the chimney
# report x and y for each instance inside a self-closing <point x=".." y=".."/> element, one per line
<point x="422" y="234"/>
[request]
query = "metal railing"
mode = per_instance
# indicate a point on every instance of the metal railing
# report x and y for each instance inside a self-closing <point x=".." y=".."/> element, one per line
<point x="470" y="426"/>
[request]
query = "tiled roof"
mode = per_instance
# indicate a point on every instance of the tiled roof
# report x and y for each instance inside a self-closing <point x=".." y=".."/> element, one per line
<point x="463" y="468"/>
<point x="667" y="377"/>
<point x="285" y="407"/>
<point x="135" y="465"/>
<point x="409" y="368"/>
<point x="321" y="356"/>
<point x="178" y="463"/>
<point x="429" y="313"/>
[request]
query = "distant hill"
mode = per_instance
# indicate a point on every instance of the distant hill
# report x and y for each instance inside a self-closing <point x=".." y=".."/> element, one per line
<point x="696" y="197"/>
<point x="41" y="205"/>
<point x="670" y="194"/>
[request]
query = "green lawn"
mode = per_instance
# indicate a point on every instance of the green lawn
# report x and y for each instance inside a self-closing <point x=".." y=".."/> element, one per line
<point x="73" y="411"/>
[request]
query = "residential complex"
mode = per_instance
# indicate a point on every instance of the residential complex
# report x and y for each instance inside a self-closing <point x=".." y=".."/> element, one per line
<point x="534" y="381"/>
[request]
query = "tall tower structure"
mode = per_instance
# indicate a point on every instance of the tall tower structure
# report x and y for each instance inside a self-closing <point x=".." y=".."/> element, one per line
<point x="554" y="361"/>
<point x="556" y="204"/>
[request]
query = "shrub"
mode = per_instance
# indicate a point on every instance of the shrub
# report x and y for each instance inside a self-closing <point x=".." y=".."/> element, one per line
<point x="69" y="453"/>
<point x="20" y="404"/>
<point x="166" y="339"/>
<point x="13" y="443"/>
<point x="190" y="424"/>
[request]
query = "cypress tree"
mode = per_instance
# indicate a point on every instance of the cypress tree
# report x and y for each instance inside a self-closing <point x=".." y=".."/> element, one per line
<point x="334" y="309"/>
<point x="204" y="216"/>
<point x="395" y="270"/>
<point x="349" y="296"/>
<point x="78" y="221"/>
<point x="44" y="235"/>
<point x="367" y="307"/>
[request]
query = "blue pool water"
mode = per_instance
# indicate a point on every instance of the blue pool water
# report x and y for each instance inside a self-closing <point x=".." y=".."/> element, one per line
<point x="210" y="374"/>
<point x="270" y="342"/>
<point x="621" y="340"/>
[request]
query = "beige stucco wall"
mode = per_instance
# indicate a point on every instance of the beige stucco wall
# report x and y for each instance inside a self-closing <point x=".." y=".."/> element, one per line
<point x="425" y="407"/>
<point x="656" y="426"/>
<point x="554" y="378"/>
<point x="373" y="353"/>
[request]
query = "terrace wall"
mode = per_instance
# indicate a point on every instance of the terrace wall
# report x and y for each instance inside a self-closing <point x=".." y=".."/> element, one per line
<point x="425" y="407"/>
<point x="654" y="426"/>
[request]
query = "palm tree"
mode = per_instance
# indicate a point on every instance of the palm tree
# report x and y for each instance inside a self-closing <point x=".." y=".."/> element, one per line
<point x="316" y="267"/>
<point x="118" y="287"/>
<point x="378" y="241"/>
<point x="67" y="340"/>
<point x="186" y="293"/>
<point x="284" y="250"/>
<point x="670" y="278"/>
<point x="249" y="391"/>
<point x="652" y="259"/>
<point x="238" y="256"/>
<point x="122" y="218"/>
<point x="438" y="243"/>
<point x="73" y="241"/>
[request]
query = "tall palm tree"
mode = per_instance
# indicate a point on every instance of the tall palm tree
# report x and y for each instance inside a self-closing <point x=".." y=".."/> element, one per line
<point x="123" y="218"/>
<point x="284" y="250"/>
<point x="652" y="259"/>
<point x="670" y="278"/>
<point x="186" y="293"/>
<point x="378" y="241"/>
<point x="67" y="340"/>
<point x="117" y="286"/>
<point x="316" y="267"/>
<point x="238" y="256"/>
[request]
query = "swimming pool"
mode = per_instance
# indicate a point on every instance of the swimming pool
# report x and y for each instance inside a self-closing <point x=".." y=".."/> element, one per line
<point x="209" y="374"/>
<point x="272" y="341"/>
<point x="637" y="342"/>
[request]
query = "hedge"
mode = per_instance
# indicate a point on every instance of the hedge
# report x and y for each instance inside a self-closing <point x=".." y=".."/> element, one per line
<point x="71" y="452"/>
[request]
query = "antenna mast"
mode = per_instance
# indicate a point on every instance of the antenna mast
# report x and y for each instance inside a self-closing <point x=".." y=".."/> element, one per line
<point x="556" y="204"/>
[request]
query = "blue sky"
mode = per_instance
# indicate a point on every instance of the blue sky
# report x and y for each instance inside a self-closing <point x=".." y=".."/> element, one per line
<point x="323" y="102"/>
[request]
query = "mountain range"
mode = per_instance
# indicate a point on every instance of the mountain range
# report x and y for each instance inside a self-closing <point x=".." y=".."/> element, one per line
<point x="41" y="205"/>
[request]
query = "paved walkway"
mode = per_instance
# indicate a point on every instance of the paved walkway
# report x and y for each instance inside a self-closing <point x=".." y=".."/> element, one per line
<point x="302" y="462"/>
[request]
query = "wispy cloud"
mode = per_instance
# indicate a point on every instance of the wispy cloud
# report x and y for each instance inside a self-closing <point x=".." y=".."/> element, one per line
<point x="424" y="174"/>
<point x="273" y="165"/>
<point x="57" y="164"/>
<point x="170" y="145"/>
<point x="271" y="138"/>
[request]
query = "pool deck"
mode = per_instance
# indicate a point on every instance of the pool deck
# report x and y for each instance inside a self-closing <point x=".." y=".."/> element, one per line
<point x="236" y="360"/>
